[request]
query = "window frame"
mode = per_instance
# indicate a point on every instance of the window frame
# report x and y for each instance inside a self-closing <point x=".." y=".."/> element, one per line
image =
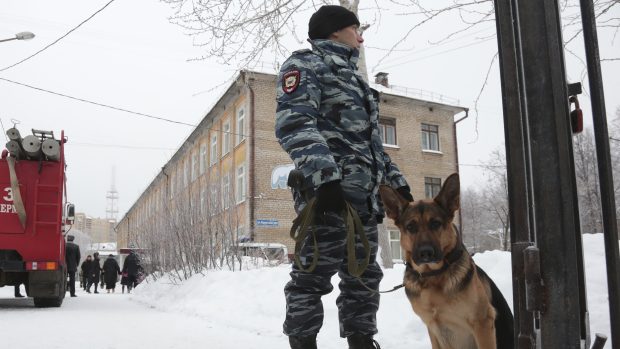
<point x="396" y="241"/>
<point x="240" y="126"/>
<point x="384" y="124"/>
<point x="240" y="187"/>
<point x="434" y="183"/>
<point x="427" y="137"/>
<point x="203" y="158"/>
<point x="226" y="131"/>
<point x="226" y="191"/>
<point x="213" y="150"/>
<point x="194" y="167"/>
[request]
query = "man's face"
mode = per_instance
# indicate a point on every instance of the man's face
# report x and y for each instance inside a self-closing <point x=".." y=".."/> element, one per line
<point x="88" y="259"/>
<point x="349" y="36"/>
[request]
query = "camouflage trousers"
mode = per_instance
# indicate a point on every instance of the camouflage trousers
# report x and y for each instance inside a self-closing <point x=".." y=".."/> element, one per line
<point x="357" y="306"/>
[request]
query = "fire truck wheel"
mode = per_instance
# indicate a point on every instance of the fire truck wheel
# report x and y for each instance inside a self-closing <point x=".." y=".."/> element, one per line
<point x="51" y="302"/>
<point x="47" y="302"/>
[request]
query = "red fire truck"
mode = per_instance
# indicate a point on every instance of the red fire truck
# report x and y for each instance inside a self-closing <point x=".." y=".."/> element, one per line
<point x="34" y="216"/>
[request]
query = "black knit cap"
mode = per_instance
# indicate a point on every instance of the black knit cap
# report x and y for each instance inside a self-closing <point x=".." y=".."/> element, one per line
<point x="329" y="19"/>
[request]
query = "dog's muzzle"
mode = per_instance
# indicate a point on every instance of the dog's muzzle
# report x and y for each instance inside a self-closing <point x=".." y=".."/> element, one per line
<point x="427" y="253"/>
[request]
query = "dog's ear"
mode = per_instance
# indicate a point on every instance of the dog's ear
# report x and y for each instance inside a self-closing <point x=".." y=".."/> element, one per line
<point x="449" y="197"/>
<point x="393" y="202"/>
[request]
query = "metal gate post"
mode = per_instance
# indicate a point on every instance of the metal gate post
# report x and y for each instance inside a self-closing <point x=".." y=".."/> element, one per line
<point x="606" y="180"/>
<point x="548" y="171"/>
<point x="517" y="161"/>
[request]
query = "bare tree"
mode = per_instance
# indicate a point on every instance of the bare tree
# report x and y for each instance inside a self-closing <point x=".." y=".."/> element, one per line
<point x="496" y="196"/>
<point x="614" y="132"/>
<point x="472" y="218"/>
<point x="193" y="229"/>
<point x="242" y="30"/>
<point x="586" y="173"/>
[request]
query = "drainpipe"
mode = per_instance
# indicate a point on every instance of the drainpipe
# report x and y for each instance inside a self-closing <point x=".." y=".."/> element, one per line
<point x="251" y="160"/>
<point x="456" y="154"/>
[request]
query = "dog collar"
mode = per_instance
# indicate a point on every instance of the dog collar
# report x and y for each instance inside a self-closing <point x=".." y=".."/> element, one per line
<point x="450" y="258"/>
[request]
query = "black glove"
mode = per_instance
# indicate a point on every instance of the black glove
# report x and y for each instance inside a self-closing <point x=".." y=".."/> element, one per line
<point x="330" y="198"/>
<point x="405" y="192"/>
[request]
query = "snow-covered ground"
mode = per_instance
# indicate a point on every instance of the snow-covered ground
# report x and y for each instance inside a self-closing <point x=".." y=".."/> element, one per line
<point x="244" y="309"/>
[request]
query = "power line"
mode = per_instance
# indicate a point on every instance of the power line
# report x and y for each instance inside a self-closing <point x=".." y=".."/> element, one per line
<point x="436" y="54"/>
<point x="60" y="38"/>
<point x="97" y="103"/>
<point x="121" y="146"/>
<point x="433" y="46"/>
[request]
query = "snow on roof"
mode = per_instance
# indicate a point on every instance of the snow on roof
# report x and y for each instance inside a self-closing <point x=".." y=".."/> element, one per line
<point x="416" y="93"/>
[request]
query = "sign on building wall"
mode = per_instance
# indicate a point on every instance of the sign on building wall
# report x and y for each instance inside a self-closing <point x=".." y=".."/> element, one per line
<point x="279" y="175"/>
<point x="267" y="223"/>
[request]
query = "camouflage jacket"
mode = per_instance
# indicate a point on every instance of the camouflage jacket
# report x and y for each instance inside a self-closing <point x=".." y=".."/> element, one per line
<point x="327" y="121"/>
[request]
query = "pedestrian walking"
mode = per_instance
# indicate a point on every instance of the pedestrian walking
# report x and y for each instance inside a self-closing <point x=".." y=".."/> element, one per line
<point x="131" y="270"/>
<point x="327" y="121"/>
<point x="94" y="273"/>
<point x="85" y="270"/>
<point x="72" y="257"/>
<point x="111" y="271"/>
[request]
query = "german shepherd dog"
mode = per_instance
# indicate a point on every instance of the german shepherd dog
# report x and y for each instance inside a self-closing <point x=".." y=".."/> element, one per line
<point x="459" y="304"/>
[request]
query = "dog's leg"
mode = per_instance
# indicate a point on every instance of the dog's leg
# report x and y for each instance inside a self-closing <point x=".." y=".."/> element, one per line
<point x="484" y="332"/>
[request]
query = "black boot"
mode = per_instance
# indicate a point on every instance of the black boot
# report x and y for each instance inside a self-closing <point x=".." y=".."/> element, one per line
<point x="302" y="342"/>
<point x="362" y="341"/>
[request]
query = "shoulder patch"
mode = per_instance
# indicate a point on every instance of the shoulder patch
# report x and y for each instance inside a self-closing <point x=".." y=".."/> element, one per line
<point x="290" y="81"/>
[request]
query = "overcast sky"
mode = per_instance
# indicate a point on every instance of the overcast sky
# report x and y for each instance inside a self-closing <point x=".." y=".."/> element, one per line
<point x="129" y="56"/>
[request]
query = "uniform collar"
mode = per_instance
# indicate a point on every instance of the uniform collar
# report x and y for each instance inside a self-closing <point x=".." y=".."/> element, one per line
<point x="343" y="55"/>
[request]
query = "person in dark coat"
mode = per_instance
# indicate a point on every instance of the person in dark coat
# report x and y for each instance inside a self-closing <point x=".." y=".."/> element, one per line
<point x="85" y="270"/>
<point x="72" y="257"/>
<point x="94" y="273"/>
<point x="131" y="268"/>
<point x="111" y="270"/>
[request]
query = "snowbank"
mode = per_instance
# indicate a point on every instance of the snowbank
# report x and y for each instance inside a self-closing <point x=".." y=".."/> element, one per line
<point x="252" y="301"/>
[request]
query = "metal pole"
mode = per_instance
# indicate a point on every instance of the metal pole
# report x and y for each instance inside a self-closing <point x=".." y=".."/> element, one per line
<point x="553" y="180"/>
<point x="517" y="159"/>
<point x="606" y="181"/>
<point x="3" y="40"/>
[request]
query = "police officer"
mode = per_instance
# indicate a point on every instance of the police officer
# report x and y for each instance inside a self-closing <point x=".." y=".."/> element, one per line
<point x="327" y="121"/>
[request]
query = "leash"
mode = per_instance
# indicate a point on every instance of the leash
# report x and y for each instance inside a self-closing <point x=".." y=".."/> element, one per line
<point x="353" y="225"/>
<point x="397" y="287"/>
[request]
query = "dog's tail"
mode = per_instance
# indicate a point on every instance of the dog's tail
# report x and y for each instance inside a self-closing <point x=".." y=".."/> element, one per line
<point x="504" y="322"/>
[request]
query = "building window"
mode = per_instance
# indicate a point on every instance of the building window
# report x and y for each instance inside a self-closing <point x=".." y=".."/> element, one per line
<point x="202" y="201"/>
<point x="430" y="137"/>
<point x="397" y="252"/>
<point x="213" y="201"/>
<point x="432" y="186"/>
<point x="387" y="129"/>
<point x="240" y="232"/>
<point x="213" y="149"/>
<point x="240" y="184"/>
<point x="226" y="191"/>
<point x="226" y="138"/>
<point x="185" y="173"/>
<point x="194" y="166"/>
<point x="240" y="126"/>
<point x="179" y="183"/>
<point x="203" y="158"/>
